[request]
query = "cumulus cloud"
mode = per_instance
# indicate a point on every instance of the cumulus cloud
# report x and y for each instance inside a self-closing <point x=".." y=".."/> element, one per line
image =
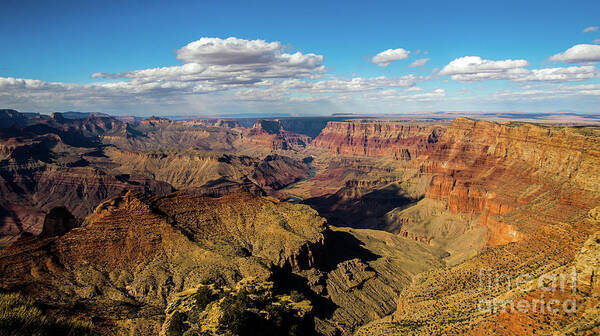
<point x="230" y="61"/>
<point x="235" y="51"/>
<point x="384" y="58"/>
<point x="354" y="84"/>
<point x="222" y="72"/>
<point x="419" y="62"/>
<point x="569" y="74"/>
<point x="580" y="53"/>
<point x="395" y="95"/>
<point x="477" y="65"/>
<point x="590" y="29"/>
<point x="549" y="92"/>
<point x="474" y="69"/>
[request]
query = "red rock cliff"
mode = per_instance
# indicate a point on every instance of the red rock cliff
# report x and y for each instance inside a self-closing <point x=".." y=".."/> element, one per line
<point x="401" y="140"/>
<point x="533" y="187"/>
<point x="493" y="169"/>
<point x="270" y="134"/>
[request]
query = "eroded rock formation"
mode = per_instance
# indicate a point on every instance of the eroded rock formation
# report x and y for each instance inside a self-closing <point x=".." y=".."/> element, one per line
<point x="271" y="134"/>
<point x="402" y="141"/>
<point x="455" y="199"/>
<point x="525" y="184"/>
<point x="134" y="252"/>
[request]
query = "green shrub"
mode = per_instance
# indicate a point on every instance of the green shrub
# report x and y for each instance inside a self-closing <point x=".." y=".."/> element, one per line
<point x="20" y="317"/>
<point x="262" y="316"/>
<point x="203" y="297"/>
<point x="177" y="325"/>
<point x="236" y="317"/>
<point x="297" y="296"/>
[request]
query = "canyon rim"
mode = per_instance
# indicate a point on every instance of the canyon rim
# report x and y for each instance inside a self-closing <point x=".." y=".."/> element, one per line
<point x="317" y="168"/>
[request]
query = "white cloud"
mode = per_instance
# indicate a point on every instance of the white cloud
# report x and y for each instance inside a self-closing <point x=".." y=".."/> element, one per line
<point x="474" y="69"/>
<point x="355" y="84"/>
<point x="384" y="58"/>
<point x="597" y="41"/>
<point x="579" y="54"/>
<point x="228" y="62"/>
<point x="234" y="51"/>
<point x="569" y="74"/>
<point x="419" y="62"/>
<point x="236" y="73"/>
<point x="562" y="91"/>
<point x="590" y="29"/>
<point x="477" y="65"/>
<point x="141" y="91"/>
<point x="395" y="95"/>
<point x="509" y="74"/>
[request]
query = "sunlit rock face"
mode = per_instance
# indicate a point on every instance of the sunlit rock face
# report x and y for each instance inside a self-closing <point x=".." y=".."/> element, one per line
<point x="530" y="186"/>
<point x="417" y="209"/>
<point x="140" y="250"/>
<point x="403" y="141"/>
<point x="271" y="134"/>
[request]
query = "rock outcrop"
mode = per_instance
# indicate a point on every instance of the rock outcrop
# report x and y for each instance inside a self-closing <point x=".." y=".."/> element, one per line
<point x="587" y="265"/>
<point x="61" y="161"/>
<point x="400" y="140"/>
<point x="271" y="134"/>
<point x="135" y="252"/>
<point x="530" y="186"/>
<point x="58" y="222"/>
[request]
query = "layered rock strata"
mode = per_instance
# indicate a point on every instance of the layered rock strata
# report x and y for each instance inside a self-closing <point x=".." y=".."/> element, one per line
<point x="402" y="141"/>
<point x="134" y="252"/>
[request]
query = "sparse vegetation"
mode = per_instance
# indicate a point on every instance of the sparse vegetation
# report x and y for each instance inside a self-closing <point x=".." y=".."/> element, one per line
<point x="20" y="317"/>
<point x="296" y="296"/>
<point x="203" y="297"/>
<point x="249" y="309"/>
<point x="243" y="315"/>
<point x="177" y="326"/>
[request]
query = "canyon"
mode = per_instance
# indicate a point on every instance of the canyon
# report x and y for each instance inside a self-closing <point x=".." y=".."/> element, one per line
<point x="382" y="225"/>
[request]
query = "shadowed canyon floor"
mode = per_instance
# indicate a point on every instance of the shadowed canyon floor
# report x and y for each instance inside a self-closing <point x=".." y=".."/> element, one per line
<point x="329" y="226"/>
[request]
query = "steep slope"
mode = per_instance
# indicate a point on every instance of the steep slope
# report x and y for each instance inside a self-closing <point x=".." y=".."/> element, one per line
<point x="206" y="172"/>
<point x="134" y="253"/>
<point x="376" y="168"/>
<point x="59" y="161"/>
<point x="400" y="140"/>
<point x="160" y="134"/>
<point x="39" y="171"/>
<point x="271" y="134"/>
<point x="488" y="171"/>
<point x="529" y="186"/>
<point x="361" y="275"/>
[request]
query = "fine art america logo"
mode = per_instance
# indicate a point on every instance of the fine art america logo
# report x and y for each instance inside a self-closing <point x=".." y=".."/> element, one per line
<point x="498" y="283"/>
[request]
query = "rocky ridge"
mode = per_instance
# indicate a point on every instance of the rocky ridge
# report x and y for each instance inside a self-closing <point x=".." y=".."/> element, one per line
<point x="400" y="140"/>
<point x="530" y="223"/>
<point x="451" y="213"/>
<point x="132" y="255"/>
<point x="271" y="134"/>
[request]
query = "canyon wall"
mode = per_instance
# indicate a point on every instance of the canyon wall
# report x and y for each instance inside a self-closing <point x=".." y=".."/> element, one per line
<point x="134" y="253"/>
<point x="270" y="134"/>
<point x="531" y="187"/>
<point x="496" y="169"/>
<point x="482" y="169"/>
<point x="400" y="140"/>
<point x="508" y="198"/>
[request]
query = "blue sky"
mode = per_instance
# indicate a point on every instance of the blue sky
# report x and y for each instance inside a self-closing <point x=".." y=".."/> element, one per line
<point x="52" y="49"/>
